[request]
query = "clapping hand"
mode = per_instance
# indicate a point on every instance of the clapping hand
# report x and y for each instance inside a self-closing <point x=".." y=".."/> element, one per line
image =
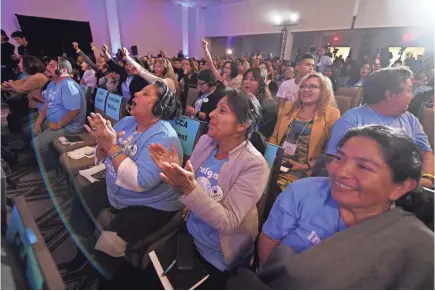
<point x="103" y="131"/>
<point x="160" y="155"/>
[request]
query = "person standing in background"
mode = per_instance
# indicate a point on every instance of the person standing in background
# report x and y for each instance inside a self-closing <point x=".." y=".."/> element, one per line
<point x="7" y="63"/>
<point x="323" y="61"/>
<point x="25" y="48"/>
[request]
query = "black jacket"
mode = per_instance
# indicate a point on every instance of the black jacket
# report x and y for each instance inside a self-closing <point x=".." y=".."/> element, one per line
<point x="269" y="111"/>
<point x="213" y="100"/>
<point x="136" y="84"/>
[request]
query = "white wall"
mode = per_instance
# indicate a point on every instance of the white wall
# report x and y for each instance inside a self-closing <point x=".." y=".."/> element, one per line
<point x="152" y="25"/>
<point x="255" y="17"/>
<point x="395" y="13"/>
<point x="81" y="10"/>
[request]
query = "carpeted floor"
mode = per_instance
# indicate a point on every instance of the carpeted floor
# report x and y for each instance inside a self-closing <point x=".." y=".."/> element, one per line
<point x="73" y="266"/>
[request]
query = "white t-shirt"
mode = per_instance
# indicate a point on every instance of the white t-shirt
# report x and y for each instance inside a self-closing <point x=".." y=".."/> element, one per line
<point x="288" y="90"/>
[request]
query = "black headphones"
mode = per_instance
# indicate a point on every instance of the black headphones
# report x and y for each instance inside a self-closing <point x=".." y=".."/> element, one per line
<point x="158" y="107"/>
<point x="57" y="71"/>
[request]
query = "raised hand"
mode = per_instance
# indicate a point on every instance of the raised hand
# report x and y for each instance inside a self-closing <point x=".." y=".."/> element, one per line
<point x="104" y="48"/>
<point x="204" y="44"/>
<point x="76" y="46"/>
<point x="161" y="156"/>
<point x="93" y="44"/>
<point x="125" y="52"/>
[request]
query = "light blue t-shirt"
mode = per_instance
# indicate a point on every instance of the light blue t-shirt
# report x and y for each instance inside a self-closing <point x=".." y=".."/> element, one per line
<point x="157" y="194"/>
<point x="304" y="215"/>
<point x="63" y="97"/>
<point x="206" y="238"/>
<point x="407" y="123"/>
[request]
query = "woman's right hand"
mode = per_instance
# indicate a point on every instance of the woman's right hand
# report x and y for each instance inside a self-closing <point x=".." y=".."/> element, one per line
<point x="204" y="45"/>
<point x="76" y="46"/>
<point x="160" y="155"/>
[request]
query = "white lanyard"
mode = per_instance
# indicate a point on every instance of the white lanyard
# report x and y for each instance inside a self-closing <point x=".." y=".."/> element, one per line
<point x="302" y="131"/>
<point x="377" y="117"/>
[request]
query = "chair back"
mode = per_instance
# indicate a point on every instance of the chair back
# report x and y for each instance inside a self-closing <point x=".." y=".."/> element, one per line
<point x="188" y="131"/>
<point x="37" y="263"/>
<point x="192" y="95"/>
<point x="427" y="121"/>
<point x="355" y="95"/>
<point x="273" y="156"/>
<point x="100" y="100"/>
<point x="115" y="108"/>
<point x="343" y="103"/>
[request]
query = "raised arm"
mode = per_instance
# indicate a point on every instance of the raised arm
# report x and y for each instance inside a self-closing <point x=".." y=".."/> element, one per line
<point x="85" y="56"/>
<point x="210" y="60"/>
<point x="95" y="50"/>
<point x="151" y="78"/>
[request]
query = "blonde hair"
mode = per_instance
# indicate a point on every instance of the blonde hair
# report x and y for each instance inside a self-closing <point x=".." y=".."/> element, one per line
<point x="327" y="97"/>
<point x="168" y="70"/>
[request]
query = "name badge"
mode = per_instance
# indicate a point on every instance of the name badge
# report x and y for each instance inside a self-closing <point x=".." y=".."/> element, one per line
<point x="289" y="148"/>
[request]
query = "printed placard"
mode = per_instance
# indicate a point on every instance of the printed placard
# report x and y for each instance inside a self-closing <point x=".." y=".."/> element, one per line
<point x="113" y="106"/>
<point x="186" y="129"/>
<point x="100" y="98"/>
<point x="21" y="239"/>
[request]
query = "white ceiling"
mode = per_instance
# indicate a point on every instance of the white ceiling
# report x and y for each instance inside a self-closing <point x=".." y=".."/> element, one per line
<point x="206" y="3"/>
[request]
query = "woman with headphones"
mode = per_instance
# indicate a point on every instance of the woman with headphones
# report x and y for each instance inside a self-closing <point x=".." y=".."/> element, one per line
<point x="134" y="192"/>
<point x="304" y="127"/>
<point x="163" y="71"/>
<point x="254" y="81"/>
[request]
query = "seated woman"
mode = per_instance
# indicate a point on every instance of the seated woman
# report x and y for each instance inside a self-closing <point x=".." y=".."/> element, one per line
<point x="138" y="197"/>
<point x="254" y="81"/>
<point x="190" y="79"/>
<point x="304" y="127"/>
<point x="357" y="81"/>
<point x="211" y="92"/>
<point x="345" y="229"/>
<point x="221" y="184"/>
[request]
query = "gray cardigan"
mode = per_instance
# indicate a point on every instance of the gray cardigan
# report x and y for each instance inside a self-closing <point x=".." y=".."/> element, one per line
<point x="393" y="250"/>
<point x="242" y="179"/>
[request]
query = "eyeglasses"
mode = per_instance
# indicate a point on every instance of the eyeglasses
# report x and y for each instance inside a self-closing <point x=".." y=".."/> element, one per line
<point x="310" y="87"/>
<point x="201" y="83"/>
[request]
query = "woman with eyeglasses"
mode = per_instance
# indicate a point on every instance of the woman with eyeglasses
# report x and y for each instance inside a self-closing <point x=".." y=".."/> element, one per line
<point x="304" y="127"/>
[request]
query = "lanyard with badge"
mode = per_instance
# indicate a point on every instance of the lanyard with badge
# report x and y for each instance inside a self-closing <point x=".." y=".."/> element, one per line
<point x="290" y="148"/>
<point x="381" y="123"/>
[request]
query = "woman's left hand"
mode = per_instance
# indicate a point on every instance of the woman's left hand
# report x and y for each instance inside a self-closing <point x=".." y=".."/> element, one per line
<point x="102" y="130"/>
<point x="190" y="111"/>
<point x="181" y="179"/>
<point x="298" y="166"/>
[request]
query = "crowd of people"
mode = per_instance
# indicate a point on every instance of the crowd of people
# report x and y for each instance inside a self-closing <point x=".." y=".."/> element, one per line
<point x="379" y="150"/>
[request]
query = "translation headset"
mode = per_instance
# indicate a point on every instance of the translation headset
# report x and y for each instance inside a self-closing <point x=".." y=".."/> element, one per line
<point x="57" y="71"/>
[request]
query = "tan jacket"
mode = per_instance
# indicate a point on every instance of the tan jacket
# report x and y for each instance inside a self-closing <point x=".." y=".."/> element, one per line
<point x="320" y="133"/>
<point x="31" y="86"/>
<point x="242" y="179"/>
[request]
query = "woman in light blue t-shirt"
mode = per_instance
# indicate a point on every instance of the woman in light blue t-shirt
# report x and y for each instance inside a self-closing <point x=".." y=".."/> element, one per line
<point x="133" y="191"/>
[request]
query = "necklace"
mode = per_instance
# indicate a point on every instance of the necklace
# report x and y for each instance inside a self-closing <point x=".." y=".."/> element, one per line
<point x="381" y="123"/>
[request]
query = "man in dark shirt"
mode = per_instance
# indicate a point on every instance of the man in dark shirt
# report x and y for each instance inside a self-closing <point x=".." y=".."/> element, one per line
<point x="25" y="48"/>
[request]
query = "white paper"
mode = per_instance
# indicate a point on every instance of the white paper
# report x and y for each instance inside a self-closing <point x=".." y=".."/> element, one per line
<point x="91" y="171"/>
<point x="86" y="151"/>
<point x="64" y="141"/>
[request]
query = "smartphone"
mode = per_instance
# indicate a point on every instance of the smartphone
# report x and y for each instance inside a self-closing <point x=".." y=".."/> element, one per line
<point x="100" y="175"/>
<point x="185" y="252"/>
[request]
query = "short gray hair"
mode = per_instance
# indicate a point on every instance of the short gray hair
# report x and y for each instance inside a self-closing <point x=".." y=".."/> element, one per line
<point x="388" y="79"/>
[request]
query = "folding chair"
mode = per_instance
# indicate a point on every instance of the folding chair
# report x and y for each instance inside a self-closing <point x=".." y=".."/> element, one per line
<point x="427" y="121"/>
<point x="38" y="265"/>
<point x="188" y="131"/>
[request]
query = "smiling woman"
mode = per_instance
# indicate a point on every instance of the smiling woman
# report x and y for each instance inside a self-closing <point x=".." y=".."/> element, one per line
<point x="374" y="166"/>
<point x="304" y="126"/>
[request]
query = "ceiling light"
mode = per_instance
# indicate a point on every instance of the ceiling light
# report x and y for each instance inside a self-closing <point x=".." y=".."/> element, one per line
<point x="294" y="17"/>
<point x="277" y="19"/>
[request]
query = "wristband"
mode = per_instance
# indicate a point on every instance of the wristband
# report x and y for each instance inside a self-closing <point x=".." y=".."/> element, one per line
<point x="429" y="176"/>
<point x="115" y="155"/>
